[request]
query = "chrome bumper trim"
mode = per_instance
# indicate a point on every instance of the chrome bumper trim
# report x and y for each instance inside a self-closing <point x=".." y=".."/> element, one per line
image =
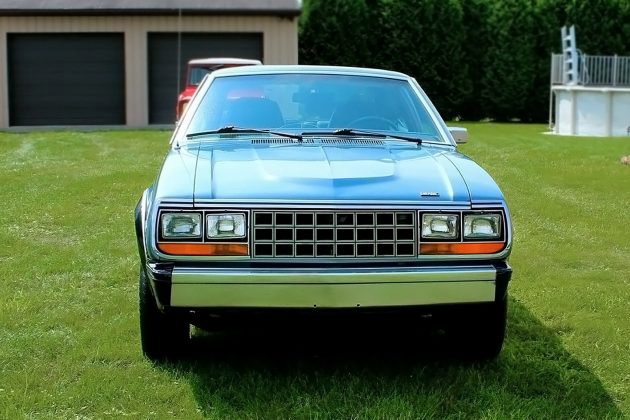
<point x="338" y="276"/>
<point x="290" y="288"/>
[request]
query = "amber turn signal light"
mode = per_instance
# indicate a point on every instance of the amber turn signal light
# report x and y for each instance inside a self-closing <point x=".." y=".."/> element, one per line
<point x="461" y="248"/>
<point x="222" y="250"/>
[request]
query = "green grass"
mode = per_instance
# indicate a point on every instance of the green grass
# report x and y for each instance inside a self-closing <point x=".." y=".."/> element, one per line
<point x="69" y="344"/>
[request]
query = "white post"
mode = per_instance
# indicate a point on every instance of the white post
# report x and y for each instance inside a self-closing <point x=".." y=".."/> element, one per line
<point x="573" y="125"/>
<point x="551" y="93"/>
<point x="573" y="55"/>
<point x="609" y="112"/>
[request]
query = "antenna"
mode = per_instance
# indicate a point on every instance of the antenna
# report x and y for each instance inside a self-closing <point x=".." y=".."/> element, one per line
<point x="569" y="56"/>
<point x="179" y="49"/>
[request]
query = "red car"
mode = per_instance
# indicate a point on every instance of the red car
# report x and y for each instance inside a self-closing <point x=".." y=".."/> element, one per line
<point x="197" y="69"/>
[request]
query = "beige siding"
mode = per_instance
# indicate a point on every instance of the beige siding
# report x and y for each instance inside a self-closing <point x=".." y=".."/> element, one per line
<point x="279" y="45"/>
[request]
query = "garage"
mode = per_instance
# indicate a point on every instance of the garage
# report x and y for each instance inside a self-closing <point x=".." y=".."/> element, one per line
<point x="163" y="63"/>
<point x="66" y="79"/>
<point x="114" y="64"/>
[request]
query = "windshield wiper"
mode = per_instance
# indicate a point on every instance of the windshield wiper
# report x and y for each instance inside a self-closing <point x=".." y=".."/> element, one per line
<point x="354" y="132"/>
<point x="230" y="129"/>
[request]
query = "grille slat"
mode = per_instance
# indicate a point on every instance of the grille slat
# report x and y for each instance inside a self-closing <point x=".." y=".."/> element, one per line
<point x="334" y="234"/>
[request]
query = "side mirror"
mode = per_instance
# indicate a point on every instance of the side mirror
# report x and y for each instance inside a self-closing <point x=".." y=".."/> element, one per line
<point x="459" y="134"/>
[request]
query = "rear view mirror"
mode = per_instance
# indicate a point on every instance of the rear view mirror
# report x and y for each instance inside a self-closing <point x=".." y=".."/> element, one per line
<point x="460" y="134"/>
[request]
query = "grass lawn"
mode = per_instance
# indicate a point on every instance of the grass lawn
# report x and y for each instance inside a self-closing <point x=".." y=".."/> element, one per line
<point x="69" y="340"/>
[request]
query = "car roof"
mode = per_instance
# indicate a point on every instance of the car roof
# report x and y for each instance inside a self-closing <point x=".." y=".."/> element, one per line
<point x="222" y="60"/>
<point x="279" y="69"/>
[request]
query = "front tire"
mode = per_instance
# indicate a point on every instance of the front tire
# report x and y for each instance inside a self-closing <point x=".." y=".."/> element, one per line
<point x="479" y="331"/>
<point x="163" y="336"/>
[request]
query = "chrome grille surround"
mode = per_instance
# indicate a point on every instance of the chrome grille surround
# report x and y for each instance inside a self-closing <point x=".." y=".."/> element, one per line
<point x="333" y="233"/>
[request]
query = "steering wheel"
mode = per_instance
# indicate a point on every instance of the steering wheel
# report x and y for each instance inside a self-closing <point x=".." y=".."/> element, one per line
<point x="385" y="123"/>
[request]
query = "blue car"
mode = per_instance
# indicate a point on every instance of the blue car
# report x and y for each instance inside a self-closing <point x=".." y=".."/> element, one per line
<point x="325" y="190"/>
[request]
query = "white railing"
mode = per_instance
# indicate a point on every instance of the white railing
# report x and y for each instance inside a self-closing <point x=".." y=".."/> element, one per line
<point x="595" y="70"/>
<point x="556" y="69"/>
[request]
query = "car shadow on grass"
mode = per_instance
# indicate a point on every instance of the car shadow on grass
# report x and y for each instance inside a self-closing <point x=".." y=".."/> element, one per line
<point x="338" y="372"/>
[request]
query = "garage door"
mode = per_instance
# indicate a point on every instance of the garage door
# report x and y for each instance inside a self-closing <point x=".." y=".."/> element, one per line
<point x="66" y="79"/>
<point x="163" y="59"/>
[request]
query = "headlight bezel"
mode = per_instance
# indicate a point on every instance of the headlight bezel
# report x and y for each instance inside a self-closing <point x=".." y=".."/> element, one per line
<point x="239" y="238"/>
<point x="204" y="213"/>
<point x="192" y="238"/>
<point x="458" y="229"/>
<point x="461" y="217"/>
<point x="465" y="248"/>
<point x="484" y="213"/>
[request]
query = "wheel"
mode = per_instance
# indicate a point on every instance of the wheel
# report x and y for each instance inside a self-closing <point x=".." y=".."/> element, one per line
<point x="479" y="330"/>
<point x="163" y="336"/>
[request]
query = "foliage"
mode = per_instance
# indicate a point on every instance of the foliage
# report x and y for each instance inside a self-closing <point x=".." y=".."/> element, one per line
<point x="508" y="60"/>
<point x="477" y="38"/>
<point x="425" y="38"/>
<point x="475" y="58"/>
<point x="339" y="32"/>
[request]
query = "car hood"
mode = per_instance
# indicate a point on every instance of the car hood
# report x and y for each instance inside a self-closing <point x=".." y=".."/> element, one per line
<point x="295" y="172"/>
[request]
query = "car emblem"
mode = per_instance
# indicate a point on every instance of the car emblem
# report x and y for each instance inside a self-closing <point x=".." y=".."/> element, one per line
<point x="430" y="194"/>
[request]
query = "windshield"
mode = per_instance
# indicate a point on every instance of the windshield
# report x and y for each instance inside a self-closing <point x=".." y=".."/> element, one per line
<point x="314" y="102"/>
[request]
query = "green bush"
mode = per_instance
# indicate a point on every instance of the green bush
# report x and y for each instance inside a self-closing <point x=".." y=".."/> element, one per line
<point x="425" y="38"/>
<point x="475" y="15"/>
<point x="475" y="58"/>
<point x="509" y="61"/>
<point x="339" y="32"/>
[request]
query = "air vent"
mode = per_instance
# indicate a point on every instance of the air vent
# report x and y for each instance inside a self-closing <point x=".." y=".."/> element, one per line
<point x="273" y="141"/>
<point x="352" y="142"/>
<point x="280" y="141"/>
<point x="322" y="141"/>
<point x="327" y="141"/>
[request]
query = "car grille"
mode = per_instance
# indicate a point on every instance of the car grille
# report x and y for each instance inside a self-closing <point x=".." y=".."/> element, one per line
<point x="333" y="234"/>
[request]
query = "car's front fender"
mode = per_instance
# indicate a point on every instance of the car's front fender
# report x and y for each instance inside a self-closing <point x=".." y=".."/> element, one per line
<point x="140" y="218"/>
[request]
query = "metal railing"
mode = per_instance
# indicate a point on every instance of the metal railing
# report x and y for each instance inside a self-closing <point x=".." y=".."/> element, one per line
<point x="594" y="70"/>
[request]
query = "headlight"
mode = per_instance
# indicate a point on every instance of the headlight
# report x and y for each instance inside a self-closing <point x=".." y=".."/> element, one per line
<point x="482" y="226"/>
<point x="181" y="225"/>
<point x="225" y="226"/>
<point x="440" y="226"/>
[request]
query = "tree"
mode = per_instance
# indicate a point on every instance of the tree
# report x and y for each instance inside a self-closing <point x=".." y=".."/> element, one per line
<point x="477" y="38"/>
<point x="510" y="62"/>
<point x="338" y="32"/>
<point x="425" y="39"/>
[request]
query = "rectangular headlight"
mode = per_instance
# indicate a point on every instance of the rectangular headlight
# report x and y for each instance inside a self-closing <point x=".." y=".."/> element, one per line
<point x="225" y="226"/>
<point x="440" y="226"/>
<point x="181" y="225"/>
<point x="482" y="226"/>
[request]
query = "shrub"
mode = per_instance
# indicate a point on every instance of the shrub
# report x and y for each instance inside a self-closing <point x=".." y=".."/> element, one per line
<point x="425" y="39"/>
<point x="475" y="58"/>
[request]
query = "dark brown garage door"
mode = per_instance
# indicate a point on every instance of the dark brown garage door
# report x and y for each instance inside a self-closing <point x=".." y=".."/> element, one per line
<point x="66" y="79"/>
<point x="163" y="59"/>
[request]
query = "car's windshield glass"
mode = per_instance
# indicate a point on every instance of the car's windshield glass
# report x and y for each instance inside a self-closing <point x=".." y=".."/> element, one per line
<point x="314" y="102"/>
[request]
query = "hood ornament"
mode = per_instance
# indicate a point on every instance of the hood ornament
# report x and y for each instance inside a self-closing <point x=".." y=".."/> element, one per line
<point x="430" y="194"/>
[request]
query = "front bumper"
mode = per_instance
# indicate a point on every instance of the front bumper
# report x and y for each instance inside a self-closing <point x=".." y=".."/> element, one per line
<point x="232" y="287"/>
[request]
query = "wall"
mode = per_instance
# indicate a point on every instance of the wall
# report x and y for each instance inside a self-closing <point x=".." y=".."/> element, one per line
<point x="592" y="111"/>
<point x="279" y="45"/>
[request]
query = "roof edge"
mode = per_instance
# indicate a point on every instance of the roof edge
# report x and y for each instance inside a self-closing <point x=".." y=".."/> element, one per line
<point x="150" y="12"/>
